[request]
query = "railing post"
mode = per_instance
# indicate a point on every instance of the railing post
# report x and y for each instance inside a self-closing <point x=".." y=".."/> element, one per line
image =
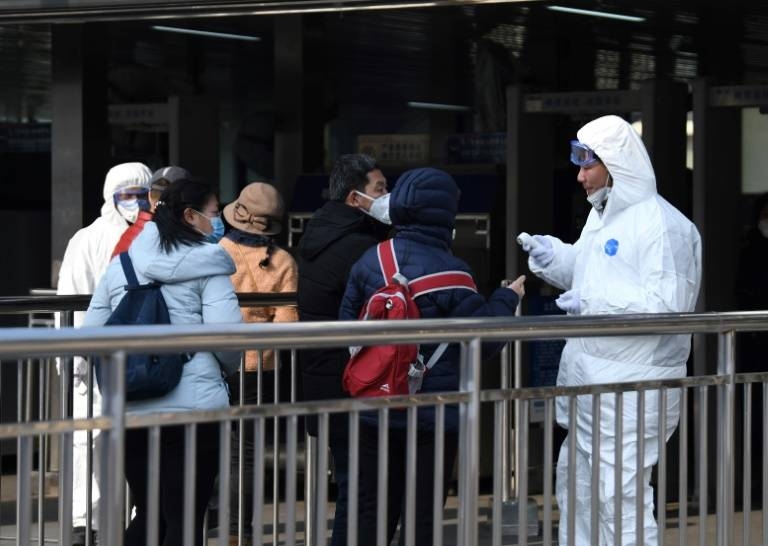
<point x="113" y="452"/>
<point x="726" y="365"/>
<point x="310" y="488"/>
<point x="23" y="480"/>
<point x="519" y="467"/>
<point x="65" y="442"/>
<point x="469" y="443"/>
<point x="505" y="426"/>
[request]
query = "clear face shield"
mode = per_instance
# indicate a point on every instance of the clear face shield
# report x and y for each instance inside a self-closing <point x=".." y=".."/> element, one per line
<point x="582" y="155"/>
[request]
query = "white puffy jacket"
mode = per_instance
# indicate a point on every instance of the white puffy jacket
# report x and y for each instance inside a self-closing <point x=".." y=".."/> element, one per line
<point x="197" y="290"/>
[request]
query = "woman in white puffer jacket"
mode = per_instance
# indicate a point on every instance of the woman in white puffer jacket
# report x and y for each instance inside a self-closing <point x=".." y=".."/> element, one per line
<point x="176" y="251"/>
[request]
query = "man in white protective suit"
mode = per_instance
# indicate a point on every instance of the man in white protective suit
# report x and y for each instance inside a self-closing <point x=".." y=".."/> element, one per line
<point x="126" y="189"/>
<point x="636" y="254"/>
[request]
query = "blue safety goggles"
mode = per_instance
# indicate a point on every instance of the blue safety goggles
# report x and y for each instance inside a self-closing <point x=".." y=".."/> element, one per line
<point x="582" y="155"/>
<point x="139" y="192"/>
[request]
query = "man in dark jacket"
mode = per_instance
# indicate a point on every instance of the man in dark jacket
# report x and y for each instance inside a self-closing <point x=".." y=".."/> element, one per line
<point x="336" y="236"/>
<point x="423" y="207"/>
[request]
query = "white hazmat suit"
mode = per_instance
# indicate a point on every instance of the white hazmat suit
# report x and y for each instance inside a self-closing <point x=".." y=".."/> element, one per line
<point x="640" y="256"/>
<point x="85" y="260"/>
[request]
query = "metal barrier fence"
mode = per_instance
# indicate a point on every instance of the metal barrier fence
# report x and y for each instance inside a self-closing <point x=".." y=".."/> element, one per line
<point x="284" y="511"/>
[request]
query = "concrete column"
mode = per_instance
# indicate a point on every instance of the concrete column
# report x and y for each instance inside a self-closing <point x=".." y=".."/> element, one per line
<point x="189" y="118"/>
<point x="716" y="194"/>
<point x="79" y="131"/>
<point x="530" y="187"/>
<point x="442" y="87"/>
<point x="289" y="111"/>
<point x="665" y="105"/>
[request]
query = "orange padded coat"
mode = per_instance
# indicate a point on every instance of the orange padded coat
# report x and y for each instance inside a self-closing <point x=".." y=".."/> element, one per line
<point x="281" y="275"/>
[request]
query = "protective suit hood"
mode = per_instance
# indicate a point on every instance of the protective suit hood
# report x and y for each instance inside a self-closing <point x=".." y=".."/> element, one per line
<point x="124" y="175"/>
<point x="622" y="151"/>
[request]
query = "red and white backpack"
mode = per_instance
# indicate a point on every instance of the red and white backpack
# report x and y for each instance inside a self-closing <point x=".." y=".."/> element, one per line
<point x="388" y="370"/>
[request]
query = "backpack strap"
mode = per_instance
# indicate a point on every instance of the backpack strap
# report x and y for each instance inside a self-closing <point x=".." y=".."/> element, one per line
<point x="438" y="352"/>
<point x="441" y="281"/>
<point x="423" y="285"/>
<point x="387" y="260"/>
<point x="130" y="274"/>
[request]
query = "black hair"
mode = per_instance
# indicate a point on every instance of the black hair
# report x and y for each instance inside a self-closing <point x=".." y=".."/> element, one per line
<point x="169" y="214"/>
<point x="350" y="173"/>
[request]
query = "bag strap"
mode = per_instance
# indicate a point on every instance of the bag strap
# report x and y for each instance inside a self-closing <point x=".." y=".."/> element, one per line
<point x="441" y="281"/>
<point x="426" y="283"/>
<point x="423" y="285"/>
<point x="130" y="274"/>
<point x="436" y="355"/>
<point x="387" y="260"/>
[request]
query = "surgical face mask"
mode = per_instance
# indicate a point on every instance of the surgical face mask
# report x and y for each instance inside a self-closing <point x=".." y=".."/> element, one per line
<point x="218" y="230"/>
<point x="379" y="207"/>
<point x="762" y="225"/>
<point x="217" y="226"/>
<point x="598" y="198"/>
<point x="128" y="209"/>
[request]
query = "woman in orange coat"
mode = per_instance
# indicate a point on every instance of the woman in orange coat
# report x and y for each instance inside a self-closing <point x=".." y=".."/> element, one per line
<point x="264" y="267"/>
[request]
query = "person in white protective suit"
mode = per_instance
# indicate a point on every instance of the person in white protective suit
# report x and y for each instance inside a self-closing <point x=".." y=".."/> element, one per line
<point x="636" y="254"/>
<point x="86" y="258"/>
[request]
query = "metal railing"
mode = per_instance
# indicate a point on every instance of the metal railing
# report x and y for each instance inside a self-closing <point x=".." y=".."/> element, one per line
<point x="31" y="343"/>
<point x="13" y="305"/>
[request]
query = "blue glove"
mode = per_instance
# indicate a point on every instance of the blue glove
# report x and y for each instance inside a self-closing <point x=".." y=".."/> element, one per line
<point x="542" y="252"/>
<point x="570" y="302"/>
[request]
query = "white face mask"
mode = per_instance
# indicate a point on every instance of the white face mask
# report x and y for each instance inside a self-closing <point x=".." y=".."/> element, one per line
<point x="762" y="225"/>
<point x="599" y="197"/>
<point x="379" y="207"/>
<point x="128" y="209"/>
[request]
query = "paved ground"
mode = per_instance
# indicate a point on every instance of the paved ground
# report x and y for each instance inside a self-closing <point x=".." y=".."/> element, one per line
<point x="693" y="535"/>
<point x="671" y="535"/>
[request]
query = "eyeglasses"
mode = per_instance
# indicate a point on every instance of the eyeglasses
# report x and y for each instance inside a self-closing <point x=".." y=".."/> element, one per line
<point x="582" y="155"/>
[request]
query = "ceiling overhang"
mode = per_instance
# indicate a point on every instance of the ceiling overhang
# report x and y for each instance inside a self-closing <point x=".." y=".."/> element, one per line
<point x="70" y="11"/>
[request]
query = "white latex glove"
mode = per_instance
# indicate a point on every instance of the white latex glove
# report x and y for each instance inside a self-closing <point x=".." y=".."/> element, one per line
<point x="570" y="302"/>
<point x="542" y="252"/>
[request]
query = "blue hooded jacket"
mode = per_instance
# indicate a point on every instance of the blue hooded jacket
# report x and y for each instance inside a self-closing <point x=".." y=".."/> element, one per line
<point x="423" y="208"/>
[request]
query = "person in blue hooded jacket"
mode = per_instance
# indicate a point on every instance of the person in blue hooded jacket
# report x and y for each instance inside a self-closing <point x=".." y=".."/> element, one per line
<point x="422" y="208"/>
